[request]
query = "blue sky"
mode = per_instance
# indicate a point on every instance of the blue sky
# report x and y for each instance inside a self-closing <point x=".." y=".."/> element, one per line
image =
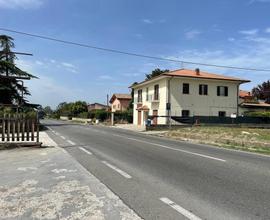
<point x="225" y="32"/>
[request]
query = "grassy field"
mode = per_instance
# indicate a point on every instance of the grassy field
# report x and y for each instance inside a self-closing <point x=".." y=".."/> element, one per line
<point x="247" y="139"/>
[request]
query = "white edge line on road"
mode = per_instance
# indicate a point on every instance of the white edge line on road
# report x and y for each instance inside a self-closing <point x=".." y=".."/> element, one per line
<point x="123" y="173"/>
<point x="171" y="148"/>
<point x="63" y="137"/>
<point x="180" y="209"/>
<point x="72" y="143"/>
<point x="56" y="133"/>
<point x="86" y="151"/>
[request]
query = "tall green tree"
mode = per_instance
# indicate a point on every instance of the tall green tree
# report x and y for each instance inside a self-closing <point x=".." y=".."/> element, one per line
<point x="262" y="91"/>
<point x="154" y="73"/>
<point x="11" y="88"/>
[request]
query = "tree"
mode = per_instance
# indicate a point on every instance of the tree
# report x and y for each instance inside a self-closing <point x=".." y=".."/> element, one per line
<point x="72" y="108"/>
<point x="47" y="110"/>
<point x="11" y="89"/>
<point x="262" y="91"/>
<point x="155" y="72"/>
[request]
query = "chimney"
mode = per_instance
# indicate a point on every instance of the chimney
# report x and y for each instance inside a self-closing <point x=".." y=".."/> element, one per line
<point x="197" y="70"/>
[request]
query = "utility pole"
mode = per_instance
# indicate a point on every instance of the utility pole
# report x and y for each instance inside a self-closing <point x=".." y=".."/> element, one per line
<point x="107" y="106"/>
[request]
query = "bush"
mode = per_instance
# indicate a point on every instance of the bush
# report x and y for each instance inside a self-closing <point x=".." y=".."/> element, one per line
<point x="126" y="116"/>
<point x="83" y="115"/>
<point x="257" y="114"/>
<point x="101" y="115"/>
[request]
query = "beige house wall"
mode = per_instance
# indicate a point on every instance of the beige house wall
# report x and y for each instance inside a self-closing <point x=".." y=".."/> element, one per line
<point x="160" y="106"/>
<point x="120" y="105"/>
<point x="202" y="105"/>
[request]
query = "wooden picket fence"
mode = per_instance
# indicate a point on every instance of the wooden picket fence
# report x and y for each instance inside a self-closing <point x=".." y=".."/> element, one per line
<point x="18" y="128"/>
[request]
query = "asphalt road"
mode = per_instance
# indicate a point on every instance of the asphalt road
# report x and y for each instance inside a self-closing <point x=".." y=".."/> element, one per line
<point x="165" y="179"/>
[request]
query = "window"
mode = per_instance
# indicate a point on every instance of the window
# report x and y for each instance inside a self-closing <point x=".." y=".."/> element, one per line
<point x="222" y="91"/>
<point x="222" y="114"/>
<point x="156" y="92"/>
<point x="185" y="88"/>
<point x="139" y="95"/>
<point x="185" y="113"/>
<point x="203" y="89"/>
<point x="147" y="96"/>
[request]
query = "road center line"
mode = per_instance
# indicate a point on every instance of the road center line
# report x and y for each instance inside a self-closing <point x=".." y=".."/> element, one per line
<point x="63" y="137"/>
<point x="175" y="149"/>
<point x="123" y="173"/>
<point x="180" y="209"/>
<point x="72" y="143"/>
<point x="86" y="151"/>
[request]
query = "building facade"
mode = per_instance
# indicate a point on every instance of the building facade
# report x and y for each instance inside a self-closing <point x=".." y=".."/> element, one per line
<point x="120" y="102"/>
<point x="185" y="93"/>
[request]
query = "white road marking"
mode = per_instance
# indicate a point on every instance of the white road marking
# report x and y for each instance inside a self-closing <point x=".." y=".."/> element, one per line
<point x="171" y="148"/>
<point x="56" y="133"/>
<point x="63" y="137"/>
<point x="123" y="173"/>
<point x="180" y="209"/>
<point x="86" y="151"/>
<point x="72" y="143"/>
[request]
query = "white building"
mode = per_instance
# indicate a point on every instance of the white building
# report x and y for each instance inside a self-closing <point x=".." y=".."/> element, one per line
<point x="185" y="93"/>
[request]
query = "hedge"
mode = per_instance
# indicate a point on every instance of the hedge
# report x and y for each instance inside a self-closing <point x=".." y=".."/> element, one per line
<point x="257" y="114"/>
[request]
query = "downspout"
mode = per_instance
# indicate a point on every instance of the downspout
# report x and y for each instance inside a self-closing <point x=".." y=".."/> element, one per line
<point x="169" y="111"/>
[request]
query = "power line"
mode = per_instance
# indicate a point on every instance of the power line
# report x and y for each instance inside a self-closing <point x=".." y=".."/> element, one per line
<point x="129" y="53"/>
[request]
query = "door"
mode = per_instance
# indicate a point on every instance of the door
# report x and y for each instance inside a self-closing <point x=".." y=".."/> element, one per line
<point x="155" y="113"/>
<point x="139" y="118"/>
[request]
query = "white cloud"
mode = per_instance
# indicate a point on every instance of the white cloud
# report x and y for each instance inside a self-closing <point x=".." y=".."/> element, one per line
<point x="258" y="1"/>
<point x="231" y="39"/>
<point x="46" y="90"/>
<point x="105" y="77"/>
<point x="192" y="34"/>
<point x="249" y="32"/>
<point x="267" y="30"/>
<point x="21" y="4"/>
<point x="68" y="66"/>
<point x="39" y="62"/>
<point x="147" y="21"/>
<point x="249" y="52"/>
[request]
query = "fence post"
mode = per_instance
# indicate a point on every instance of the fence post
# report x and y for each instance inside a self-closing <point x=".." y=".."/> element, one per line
<point x="13" y="128"/>
<point x="32" y="130"/>
<point x="3" y="128"/>
<point x="18" y="127"/>
<point x="23" y="128"/>
<point x="27" y="129"/>
<point x="8" y="128"/>
<point x="37" y="120"/>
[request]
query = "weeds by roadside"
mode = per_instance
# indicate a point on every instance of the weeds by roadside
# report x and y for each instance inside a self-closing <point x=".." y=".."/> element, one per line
<point x="246" y="139"/>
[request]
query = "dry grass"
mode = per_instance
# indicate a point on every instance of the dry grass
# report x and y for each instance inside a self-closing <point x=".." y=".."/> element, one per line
<point x="247" y="139"/>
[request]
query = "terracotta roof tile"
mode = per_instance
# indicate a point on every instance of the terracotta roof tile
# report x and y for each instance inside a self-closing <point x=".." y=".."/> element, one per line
<point x="123" y="96"/>
<point x="194" y="74"/>
<point x="201" y="74"/>
<point x="243" y="94"/>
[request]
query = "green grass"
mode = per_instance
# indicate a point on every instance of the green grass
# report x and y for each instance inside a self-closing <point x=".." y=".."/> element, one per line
<point x="246" y="139"/>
